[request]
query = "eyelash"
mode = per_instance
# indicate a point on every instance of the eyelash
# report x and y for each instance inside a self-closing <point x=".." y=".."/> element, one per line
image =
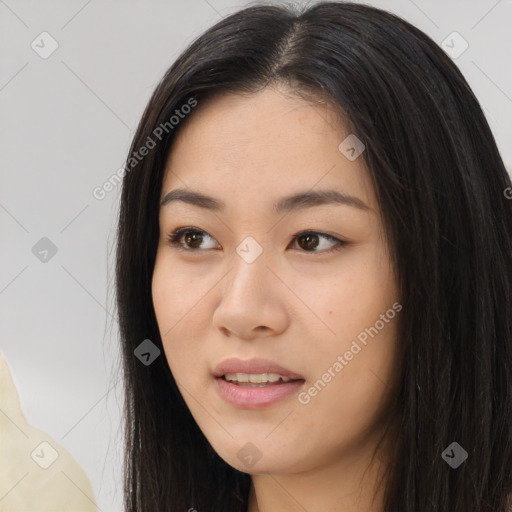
<point x="174" y="239"/>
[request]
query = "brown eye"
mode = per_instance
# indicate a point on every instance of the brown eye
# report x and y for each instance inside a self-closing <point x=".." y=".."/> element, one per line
<point x="309" y="241"/>
<point x="189" y="239"/>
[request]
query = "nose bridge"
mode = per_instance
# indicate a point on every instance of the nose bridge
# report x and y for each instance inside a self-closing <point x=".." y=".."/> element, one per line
<point x="249" y="269"/>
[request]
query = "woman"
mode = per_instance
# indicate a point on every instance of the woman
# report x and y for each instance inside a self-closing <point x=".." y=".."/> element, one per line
<point x="314" y="275"/>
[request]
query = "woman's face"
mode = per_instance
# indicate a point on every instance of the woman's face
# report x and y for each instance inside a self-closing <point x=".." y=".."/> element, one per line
<point x="243" y="288"/>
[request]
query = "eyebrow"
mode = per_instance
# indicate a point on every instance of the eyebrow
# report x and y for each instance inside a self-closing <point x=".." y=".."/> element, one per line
<point x="296" y="201"/>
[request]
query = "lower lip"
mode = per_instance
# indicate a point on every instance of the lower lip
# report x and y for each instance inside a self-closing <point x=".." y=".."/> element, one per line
<point x="252" y="397"/>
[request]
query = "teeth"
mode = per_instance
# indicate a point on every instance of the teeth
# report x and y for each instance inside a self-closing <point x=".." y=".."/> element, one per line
<point x="255" y="378"/>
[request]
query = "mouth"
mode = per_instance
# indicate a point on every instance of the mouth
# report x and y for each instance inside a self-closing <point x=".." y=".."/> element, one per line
<point x="254" y="370"/>
<point x="256" y="383"/>
<point x="257" y="380"/>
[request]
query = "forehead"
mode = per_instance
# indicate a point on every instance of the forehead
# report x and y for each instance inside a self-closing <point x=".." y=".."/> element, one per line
<point x="270" y="141"/>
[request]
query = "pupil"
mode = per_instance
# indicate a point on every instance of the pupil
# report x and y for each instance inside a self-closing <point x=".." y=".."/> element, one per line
<point x="191" y="236"/>
<point x="309" y="244"/>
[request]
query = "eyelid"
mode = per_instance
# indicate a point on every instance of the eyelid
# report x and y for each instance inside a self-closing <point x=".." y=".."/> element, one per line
<point x="174" y="239"/>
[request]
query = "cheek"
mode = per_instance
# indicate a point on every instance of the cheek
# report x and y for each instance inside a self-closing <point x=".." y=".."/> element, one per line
<point x="345" y="300"/>
<point x="177" y="305"/>
<point x="357" y="305"/>
<point x="178" y="296"/>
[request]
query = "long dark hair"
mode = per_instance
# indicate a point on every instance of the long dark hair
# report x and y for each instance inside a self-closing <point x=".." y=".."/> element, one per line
<point x="440" y="183"/>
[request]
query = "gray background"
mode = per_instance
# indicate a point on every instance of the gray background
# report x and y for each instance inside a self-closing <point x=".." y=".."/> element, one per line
<point x="66" y="124"/>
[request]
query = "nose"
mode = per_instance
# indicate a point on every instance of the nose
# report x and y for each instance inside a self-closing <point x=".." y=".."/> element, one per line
<point x="252" y="301"/>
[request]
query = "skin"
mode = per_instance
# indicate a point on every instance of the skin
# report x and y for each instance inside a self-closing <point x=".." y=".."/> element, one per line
<point x="296" y="304"/>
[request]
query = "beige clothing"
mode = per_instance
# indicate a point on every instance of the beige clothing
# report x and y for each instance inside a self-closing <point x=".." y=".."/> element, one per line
<point x="37" y="474"/>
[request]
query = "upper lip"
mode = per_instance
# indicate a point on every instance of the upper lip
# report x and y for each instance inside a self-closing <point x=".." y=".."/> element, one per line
<point x="254" y="366"/>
